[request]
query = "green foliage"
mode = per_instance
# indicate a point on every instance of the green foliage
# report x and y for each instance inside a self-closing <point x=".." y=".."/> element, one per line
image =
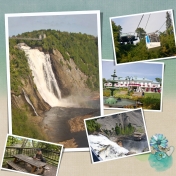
<point x="104" y="81"/>
<point x="168" y="21"/>
<point x="127" y="130"/>
<point x="151" y="103"/>
<point x="117" y="130"/>
<point x="138" y="52"/>
<point x="106" y="92"/>
<point x="140" y="32"/>
<point x="11" y="140"/>
<point x="159" y="80"/>
<point x="116" y="35"/>
<point x="92" y="126"/>
<point x="82" y="48"/>
<point x="122" y="96"/>
<point x="19" y="68"/>
<point x="47" y="146"/>
<point x="130" y="92"/>
<point x="20" y="122"/>
<point x="153" y="95"/>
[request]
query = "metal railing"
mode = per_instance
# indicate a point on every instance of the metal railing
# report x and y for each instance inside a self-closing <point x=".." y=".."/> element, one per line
<point x="51" y="156"/>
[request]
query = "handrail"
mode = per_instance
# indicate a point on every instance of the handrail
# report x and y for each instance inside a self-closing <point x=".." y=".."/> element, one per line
<point x="50" y="155"/>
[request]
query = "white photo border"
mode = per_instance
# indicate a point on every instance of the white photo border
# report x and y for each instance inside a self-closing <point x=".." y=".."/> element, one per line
<point x="97" y="12"/>
<point x="116" y="114"/>
<point x="161" y="100"/>
<point x="110" y="20"/>
<point x="60" y="157"/>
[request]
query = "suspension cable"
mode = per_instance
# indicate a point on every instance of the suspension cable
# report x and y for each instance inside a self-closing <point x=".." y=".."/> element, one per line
<point x="140" y="21"/>
<point x="161" y="26"/>
<point x="147" y="21"/>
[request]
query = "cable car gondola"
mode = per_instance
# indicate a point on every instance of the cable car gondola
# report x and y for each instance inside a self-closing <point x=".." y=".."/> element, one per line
<point x="128" y="38"/>
<point x="152" y="41"/>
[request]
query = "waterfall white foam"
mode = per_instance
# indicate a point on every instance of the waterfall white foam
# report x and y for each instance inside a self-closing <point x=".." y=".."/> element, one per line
<point x="106" y="148"/>
<point x="30" y="103"/>
<point x="44" y="77"/>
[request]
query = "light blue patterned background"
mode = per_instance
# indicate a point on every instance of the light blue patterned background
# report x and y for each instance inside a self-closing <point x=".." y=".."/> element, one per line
<point x="79" y="163"/>
<point x="108" y="9"/>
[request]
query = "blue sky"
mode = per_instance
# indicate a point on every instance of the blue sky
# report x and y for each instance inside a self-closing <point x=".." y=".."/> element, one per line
<point x="84" y="23"/>
<point x="141" y="70"/>
<point x="130" y="23"/>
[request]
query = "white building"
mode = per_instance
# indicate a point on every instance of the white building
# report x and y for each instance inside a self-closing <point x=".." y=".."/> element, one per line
<point x="137" y="84"/>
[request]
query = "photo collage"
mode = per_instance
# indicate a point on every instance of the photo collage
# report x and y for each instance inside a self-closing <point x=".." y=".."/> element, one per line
<point x="59" y="85"/>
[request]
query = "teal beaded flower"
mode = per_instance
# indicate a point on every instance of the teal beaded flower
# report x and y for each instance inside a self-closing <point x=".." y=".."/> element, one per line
<point x="160" y="155"/>
<point x="157" y="141"/>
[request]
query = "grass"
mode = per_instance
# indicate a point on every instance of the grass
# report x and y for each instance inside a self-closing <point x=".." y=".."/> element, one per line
<point x="107" y="92"/>
<point x="152" y="95"/>
<point x="22" y="126"/>
<point x="150" y="100"/>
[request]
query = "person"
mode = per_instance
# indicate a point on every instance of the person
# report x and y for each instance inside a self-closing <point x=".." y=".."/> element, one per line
<point x="38" y="156"/>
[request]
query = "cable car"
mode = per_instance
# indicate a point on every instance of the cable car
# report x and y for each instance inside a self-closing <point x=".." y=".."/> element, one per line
<point x="152" y="41"/>
<point x="128" y="38"/>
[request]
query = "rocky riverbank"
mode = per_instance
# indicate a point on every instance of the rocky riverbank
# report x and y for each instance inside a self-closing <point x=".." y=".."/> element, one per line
<point x="66" y="125"/>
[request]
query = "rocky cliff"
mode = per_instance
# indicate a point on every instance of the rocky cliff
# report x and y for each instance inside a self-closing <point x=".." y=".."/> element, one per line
<point x="69" y="77"/>
<point x="123" y="119"/>
<point x="24" y="94"/>
<point x="20" y="102"/>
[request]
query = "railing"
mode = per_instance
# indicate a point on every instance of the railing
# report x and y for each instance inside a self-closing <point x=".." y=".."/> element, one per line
<point x="51" y="157"/>
<point x="10" y="151"/>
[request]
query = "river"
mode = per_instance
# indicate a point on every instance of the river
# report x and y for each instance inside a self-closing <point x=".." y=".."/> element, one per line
<point x="56" y="123"/>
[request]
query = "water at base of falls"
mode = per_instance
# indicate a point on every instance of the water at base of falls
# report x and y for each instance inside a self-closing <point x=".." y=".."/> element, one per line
<point x="44" y="77"/>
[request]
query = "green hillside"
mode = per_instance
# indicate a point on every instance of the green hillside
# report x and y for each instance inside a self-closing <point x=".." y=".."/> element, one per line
<point x="82" y="48"/>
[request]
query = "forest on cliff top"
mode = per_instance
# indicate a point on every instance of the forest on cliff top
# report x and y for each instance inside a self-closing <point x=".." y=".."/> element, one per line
<point x="82" y="48"/>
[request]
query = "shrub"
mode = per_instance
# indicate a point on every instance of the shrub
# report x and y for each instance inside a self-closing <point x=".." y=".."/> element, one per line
<point x="92" y="126"/>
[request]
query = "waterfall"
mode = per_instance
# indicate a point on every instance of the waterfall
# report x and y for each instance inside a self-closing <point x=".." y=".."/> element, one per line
<point x="30" y="103"/>
<point x="106" y="148"/>
<point x="43" y="75"/>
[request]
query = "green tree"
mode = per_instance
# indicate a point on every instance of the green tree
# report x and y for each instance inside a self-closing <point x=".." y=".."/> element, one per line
<point x="11" y="140"/>
<point x="104" y="81"/>
<point x="81" y="48"/>
<point x="168" y="20"/>
<point x="92" y="126"/>
<point x="116" y="35"/>
<point x="158" y="80"/>
<point x="117" y="130"/>
<point x="140" y="32"/>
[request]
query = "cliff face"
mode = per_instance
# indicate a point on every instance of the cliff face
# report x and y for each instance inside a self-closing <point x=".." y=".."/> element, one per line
<point x="20" y="102"/>
<point x="70" y="79"/>
<point x="123" y="119"/>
